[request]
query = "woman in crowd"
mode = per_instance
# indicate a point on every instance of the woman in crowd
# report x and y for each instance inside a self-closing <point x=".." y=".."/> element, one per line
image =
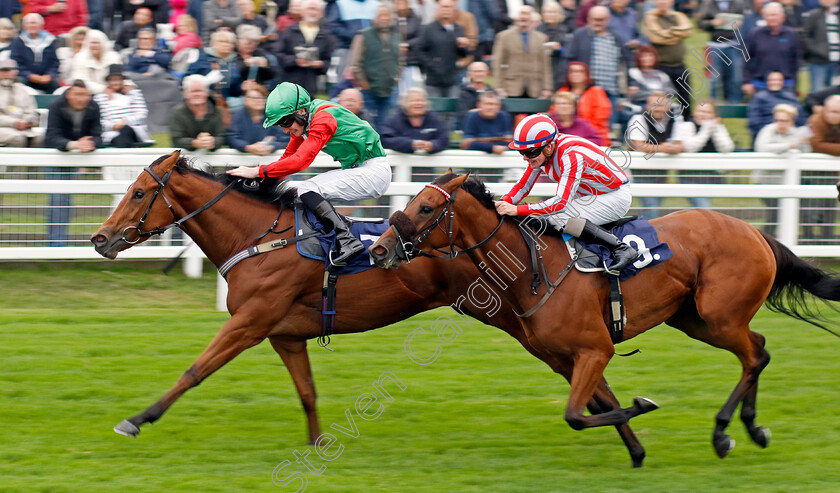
<point x="705" y="134"/>
<point x="225" y="75"/>
<point x="780" y="136"/>
<point x="553" y="27"/>
<point x="148" y="59"/>
<point x="91" y="63"/>
<point x="645" y="78"/>
<point x="246" y="132"/>
<point x="65" y="54"/>
<point x="8" y="31"/>
<point x="594" y="105"/>
<point x="760" y="107"/>
<point x="564" y="115"/>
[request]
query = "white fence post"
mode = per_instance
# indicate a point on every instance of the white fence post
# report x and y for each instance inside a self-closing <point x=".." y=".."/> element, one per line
<point x="193" y="261"/>
<point x="402" y="173"/>
<point x="789" y="207"/>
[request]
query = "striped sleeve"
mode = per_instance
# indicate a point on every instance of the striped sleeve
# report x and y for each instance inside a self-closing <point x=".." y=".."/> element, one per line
<point x="567" y="185"/>
<point x="138" y="112"/>
<point x="523" y="186"/>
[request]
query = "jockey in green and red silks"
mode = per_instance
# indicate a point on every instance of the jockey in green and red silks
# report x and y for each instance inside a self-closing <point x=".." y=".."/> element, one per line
<point x="315" y="126"/>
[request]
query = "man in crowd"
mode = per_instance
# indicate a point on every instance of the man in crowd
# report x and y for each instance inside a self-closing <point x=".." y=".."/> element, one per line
<point x="128" y="29"/>
<point x="602" y="50"/>
<point x="216" y="14"/>
<point x="18" y="110"/>
<point x="307" y="47"/>
<point x="197" y="123"/>
<point x="61" y="15"/>
<point x="521" y="64"/>
<point x="488" y="129"/>
<point x="123" y="111"/>
<point x="821" y="39"/>
<point x="375" y="64"/>
<point x="414" y="128"/>
<point x="353" y="99"/>
<point x="468" y="95"/>
<point x="667" y="30"/>
<point x="653" y="132"/>
<point x="73" y="125"/>
<point x="772" y="48"/>
<point x="442" y="42"/>
<point x="825" y="126"/>
<point x="34" y="52"/>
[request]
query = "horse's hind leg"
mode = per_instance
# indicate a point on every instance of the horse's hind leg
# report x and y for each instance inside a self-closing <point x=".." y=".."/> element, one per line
<point x="748" y="346"/>
<point x="758" y="434"/>
<point x="234" y="337"/>
<point x="294" y="356"/>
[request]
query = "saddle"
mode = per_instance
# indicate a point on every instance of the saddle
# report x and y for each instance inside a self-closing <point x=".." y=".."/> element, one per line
<point x="316" y="245"/>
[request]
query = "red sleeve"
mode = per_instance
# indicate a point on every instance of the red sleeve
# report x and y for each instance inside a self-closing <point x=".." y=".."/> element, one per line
<point x="301" y="152"/>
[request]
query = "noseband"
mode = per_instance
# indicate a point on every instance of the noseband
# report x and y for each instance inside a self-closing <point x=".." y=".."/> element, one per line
<point x="407" y="249"/>
<point x="176" y="222"/>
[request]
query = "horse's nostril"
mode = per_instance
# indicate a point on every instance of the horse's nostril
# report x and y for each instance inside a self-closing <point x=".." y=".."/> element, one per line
<point x="379" y="251"/>
<point x="98" y="240"/>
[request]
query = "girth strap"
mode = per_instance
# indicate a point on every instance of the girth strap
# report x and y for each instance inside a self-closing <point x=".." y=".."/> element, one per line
<point x="327" y="308"/>
<point x="263" y="248"/>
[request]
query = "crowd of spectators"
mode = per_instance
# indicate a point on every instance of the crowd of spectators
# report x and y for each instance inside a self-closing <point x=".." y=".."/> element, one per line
<point x="613" y="70"/>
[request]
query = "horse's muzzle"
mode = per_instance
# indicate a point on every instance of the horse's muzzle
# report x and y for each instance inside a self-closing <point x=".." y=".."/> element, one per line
<point x="107" y="246"/>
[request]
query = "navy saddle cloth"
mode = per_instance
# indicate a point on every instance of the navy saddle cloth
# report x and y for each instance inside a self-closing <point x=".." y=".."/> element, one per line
<point x="636" y="232"/>
<point x="318" y="247"/>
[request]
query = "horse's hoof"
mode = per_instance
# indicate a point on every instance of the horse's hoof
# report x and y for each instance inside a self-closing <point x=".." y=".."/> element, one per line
<point x="761" y="436"/>
<point x="127" y="428"/>
<point x="723" y="445"/>
<point x="645" y="405"/>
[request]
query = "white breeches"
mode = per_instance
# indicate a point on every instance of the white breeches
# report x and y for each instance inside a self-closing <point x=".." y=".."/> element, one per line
<point x="368" y="181"/>
<point x="599" y="209"/>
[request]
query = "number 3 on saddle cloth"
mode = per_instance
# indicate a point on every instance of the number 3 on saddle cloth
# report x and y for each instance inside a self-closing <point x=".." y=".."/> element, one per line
<point x="636" y="232"/>
<point x="318" y="247"/>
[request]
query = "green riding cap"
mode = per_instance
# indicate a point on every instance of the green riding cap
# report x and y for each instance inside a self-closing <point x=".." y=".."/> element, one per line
<point x="283" y="100"/>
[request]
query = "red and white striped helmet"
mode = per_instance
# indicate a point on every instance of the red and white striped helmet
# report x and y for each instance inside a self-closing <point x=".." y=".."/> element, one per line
<point x="536" y="130"/>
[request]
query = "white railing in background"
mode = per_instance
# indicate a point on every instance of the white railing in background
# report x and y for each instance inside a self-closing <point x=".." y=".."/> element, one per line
<point x="790" y="192"/>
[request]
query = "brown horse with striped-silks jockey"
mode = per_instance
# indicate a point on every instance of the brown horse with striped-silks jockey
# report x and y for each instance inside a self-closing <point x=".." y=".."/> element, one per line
<point x="277" y="295"/>
<point x="722" y="271"/>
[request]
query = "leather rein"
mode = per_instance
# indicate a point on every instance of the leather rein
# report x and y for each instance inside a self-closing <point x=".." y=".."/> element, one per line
<point x="407" y="249"/>
<point x="176" y="221"/>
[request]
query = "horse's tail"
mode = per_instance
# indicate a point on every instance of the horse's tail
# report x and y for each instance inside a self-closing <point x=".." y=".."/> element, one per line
<point x="795" y="277"/>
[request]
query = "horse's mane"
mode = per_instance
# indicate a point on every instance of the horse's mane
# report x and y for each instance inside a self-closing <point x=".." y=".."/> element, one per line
<point x="472" y="186"/>
<point x="478" y="189"/>
<point x="270" y="190"/>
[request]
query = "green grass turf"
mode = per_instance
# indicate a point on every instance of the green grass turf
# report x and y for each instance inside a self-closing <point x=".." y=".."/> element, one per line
<point x="85" y="346"/>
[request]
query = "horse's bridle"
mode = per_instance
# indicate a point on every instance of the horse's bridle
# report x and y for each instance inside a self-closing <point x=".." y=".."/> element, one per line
<point x="175" y="221"/>
<point x="406" y="250"/>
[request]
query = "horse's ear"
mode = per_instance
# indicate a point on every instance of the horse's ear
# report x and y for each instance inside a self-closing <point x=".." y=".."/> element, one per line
<point x="456" y="182"/>
<point x="170" y="161"/>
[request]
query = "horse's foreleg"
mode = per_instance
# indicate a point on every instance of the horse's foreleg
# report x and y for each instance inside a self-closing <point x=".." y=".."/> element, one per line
<point x="606" y="401"/>
<point x="603" y="400"/>
<point x="295" y="357"/>
<point x="588" y="373"/>
<point x="234" y="337"/>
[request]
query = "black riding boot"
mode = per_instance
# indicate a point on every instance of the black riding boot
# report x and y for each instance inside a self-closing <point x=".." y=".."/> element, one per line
<point x="622" y="253"/>
<point x="346" y="245"/>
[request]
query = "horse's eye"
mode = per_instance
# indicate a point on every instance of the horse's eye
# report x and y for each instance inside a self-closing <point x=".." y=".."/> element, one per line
<point x="425" y="209"/>
<point x="139" y="194"/>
